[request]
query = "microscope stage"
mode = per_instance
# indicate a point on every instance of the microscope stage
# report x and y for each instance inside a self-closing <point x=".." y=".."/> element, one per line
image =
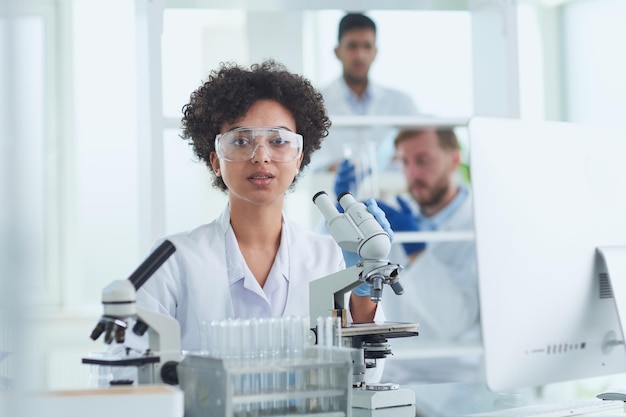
<point x="122" y="361"/>
<point x="388" y="329"/>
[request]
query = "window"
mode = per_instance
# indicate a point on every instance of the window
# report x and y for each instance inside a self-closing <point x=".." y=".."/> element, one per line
<point x="28" y="115"/>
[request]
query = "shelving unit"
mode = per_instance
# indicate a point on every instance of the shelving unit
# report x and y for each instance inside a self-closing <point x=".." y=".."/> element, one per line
<point x="393" y="180"/>
<point x="397" y="121"/>
<point x="494" y="73"/>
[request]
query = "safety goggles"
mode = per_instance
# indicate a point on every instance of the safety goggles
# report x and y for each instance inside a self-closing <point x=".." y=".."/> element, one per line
<point x="242" y="143"/>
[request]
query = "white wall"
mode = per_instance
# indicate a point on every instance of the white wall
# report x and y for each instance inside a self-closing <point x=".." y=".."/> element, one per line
<point x="103" y="177"/>
<point x="595" y="60"/>
<point x="424" y="53"/>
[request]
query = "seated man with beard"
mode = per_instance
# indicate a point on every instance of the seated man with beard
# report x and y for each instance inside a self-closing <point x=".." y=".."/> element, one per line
<point x="440" y="278"/>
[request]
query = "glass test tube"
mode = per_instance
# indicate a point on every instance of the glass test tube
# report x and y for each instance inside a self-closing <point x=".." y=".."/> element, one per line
<point x="265" y="342"/>
<point x="295" y="344"/>
<point x="277" y="354"/>
<point x="204" y="337"/>
<point x="215" y="338"/>
<point x="234" y="329"/>
<point x="249" y="343"/>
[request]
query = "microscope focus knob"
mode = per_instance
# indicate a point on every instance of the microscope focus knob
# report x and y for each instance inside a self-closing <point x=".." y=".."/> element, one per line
<point x="140" y="328"/>
<point x="169" y="374"/>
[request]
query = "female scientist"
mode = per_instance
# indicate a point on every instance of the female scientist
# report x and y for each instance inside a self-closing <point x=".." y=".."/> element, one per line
<point x="255" y="129"/>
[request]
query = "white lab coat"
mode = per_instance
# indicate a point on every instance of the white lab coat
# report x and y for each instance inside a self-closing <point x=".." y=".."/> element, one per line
<point x="374" y="139"/>
<point x="193" y="284"/>
<point x="441" y="285"/>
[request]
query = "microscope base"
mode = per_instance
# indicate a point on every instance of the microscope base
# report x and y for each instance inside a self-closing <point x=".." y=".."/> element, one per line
<point x="373" y="400"/>
<point x="404" y="411"/>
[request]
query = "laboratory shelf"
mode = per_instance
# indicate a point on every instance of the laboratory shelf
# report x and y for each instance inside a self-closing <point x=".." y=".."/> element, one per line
<point x="398" y="121"/>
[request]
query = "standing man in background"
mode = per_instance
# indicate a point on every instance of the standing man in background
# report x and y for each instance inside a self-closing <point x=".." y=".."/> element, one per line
<point x="355" y="94"/>
<point x="440" y="278"/>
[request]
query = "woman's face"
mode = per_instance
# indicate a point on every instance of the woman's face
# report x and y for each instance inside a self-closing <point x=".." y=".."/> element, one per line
<point x="258" y="180"/>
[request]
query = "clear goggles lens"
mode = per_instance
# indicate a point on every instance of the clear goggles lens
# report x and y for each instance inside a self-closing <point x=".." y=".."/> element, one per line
<point x="243" y="143"/>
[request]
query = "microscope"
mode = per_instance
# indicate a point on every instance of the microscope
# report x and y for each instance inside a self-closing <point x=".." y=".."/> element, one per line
<point x="158" y="363"/>
<point x="356" y="230"/>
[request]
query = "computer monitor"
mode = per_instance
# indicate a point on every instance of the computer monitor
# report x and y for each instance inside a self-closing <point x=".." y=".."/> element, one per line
<point x="546" y="195"/>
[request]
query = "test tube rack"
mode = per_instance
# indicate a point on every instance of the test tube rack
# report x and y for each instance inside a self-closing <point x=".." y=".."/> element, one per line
<point x="319" y="383"/>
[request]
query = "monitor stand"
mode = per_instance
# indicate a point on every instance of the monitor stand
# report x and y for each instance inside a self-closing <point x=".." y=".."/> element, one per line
<point x="615" y="261"/>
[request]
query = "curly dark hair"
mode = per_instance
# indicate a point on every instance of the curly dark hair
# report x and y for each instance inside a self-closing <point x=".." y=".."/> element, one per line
<point x="230" y="92"/>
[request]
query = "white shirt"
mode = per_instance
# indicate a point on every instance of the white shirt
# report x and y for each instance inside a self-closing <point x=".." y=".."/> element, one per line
<point x="377" y="100"/>
<point x="249" y="299"/>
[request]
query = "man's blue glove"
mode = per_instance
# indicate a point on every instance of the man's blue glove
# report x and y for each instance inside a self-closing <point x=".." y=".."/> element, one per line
<point x="403" y="221"/>
<point x="346" y="178"/>
<point x="352" y="258"/>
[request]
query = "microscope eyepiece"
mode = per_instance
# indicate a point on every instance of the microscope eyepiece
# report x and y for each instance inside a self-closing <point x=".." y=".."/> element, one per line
<point x="317" y="194"/>
<point x="342" y="194"/>
<point x="152" y="263"/>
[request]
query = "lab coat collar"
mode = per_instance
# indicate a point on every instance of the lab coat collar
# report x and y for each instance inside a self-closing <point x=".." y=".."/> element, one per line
<point x="358" y="104"/>
<point x="234" y="265"/>
<point x="224" y="220"/>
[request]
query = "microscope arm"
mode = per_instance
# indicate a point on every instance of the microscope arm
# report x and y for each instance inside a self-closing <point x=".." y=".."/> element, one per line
<point x="161" y="330"/>
<point x="118" y="301"/>
<point x="337" y="284"/>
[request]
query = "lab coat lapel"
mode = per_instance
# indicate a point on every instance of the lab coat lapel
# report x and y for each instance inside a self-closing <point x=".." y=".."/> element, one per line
<point x="298" y="292"/>
<point x="221" y="302"/>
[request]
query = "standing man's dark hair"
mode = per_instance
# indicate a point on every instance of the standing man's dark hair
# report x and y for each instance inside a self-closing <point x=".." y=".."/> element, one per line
<point x="356" y="49"/>
<point x="355" y="21"/>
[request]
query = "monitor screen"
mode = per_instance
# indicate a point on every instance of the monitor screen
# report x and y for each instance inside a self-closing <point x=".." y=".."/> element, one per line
<point x="546" y="195"/>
